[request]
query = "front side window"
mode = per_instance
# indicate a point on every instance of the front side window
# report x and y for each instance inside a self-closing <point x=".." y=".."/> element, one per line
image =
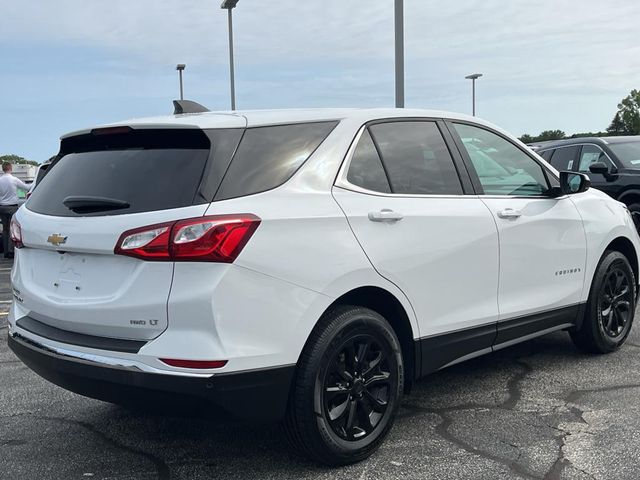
<point x="592" y="154"/>
<point x="502" y="168"/>
<point x="416" y="159"/>
<point x="628" y="153"/>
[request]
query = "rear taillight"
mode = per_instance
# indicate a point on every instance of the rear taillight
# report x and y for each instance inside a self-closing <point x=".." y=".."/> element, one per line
<point x="148" y="243"/>
<point x="16" y="233"/>
<point x="218" y="238"/>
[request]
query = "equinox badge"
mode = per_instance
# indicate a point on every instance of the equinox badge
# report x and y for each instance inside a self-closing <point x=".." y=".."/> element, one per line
<point x="56" y="239"/>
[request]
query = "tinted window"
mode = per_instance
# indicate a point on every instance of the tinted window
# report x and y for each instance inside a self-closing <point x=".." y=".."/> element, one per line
<point x="416" y="158"/>
<point x="546" y="154"/>
<point x="628" y="153"/>
<point x="503" y="169"/>
<point x="146" y="179"/>
<point x="365" y="169"/>
<point x="591" y="154"/>
<point x="268" y="156"/>
<point x="564" y="158"/>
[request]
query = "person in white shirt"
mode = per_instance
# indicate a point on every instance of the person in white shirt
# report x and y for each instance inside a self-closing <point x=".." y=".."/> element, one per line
<point x="9" y="204"/>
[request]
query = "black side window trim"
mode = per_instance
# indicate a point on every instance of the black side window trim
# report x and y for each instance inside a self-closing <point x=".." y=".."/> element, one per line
<point x="551" y="178"/>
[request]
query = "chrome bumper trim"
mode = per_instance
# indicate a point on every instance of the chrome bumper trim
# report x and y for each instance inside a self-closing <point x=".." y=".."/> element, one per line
<point x="96" y="360"/>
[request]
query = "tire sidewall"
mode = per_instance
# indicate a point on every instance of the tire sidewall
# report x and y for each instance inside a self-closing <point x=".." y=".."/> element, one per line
<point x="604" y="342"/>
<point x="345" y="324"/>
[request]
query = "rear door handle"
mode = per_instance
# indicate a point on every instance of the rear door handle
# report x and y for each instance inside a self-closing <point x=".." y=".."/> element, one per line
<point x="385" y="215"/>
<point x="509" y="213"/>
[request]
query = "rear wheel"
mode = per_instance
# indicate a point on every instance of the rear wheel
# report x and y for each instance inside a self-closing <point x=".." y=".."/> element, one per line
<point x="347" y="388"/>
<point x="611" y="306"/>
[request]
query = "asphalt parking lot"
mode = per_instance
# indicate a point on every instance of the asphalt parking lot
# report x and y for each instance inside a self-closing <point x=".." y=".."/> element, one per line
<point x="537" y="410"/>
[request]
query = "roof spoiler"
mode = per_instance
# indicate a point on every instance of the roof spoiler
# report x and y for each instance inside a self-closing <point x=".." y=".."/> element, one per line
<point x="187" y="106"/>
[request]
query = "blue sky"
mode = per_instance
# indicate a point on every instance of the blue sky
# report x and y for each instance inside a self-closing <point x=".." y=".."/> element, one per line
<point x="70" y="64"/>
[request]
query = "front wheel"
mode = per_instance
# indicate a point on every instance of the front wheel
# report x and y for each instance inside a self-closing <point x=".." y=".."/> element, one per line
<point x="347" y="387"/>
<point x="610" y="308"/>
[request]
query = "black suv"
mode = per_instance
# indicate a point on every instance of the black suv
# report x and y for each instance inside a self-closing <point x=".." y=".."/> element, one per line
<point x="612" y="163"/>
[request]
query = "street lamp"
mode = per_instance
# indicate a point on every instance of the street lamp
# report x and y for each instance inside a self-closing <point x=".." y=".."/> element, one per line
<point x="180" y="67"/>
<point x="399" y="33"/>
<point x="473" y="79"/>
<point x="229" y="5"/>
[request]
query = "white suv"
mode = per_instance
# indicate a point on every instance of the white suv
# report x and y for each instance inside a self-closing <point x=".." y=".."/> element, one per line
<point x="307" y="265"/>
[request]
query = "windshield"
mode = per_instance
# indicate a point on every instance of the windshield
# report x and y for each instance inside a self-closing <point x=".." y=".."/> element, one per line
<point x="628" y="153"/>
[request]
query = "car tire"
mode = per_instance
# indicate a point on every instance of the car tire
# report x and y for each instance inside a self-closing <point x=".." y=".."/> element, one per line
<point x="342" y="407"/>
<point x="611" y="306"/>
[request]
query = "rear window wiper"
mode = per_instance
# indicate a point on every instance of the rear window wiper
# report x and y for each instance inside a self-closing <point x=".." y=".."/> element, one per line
<point x="93" y="204"/>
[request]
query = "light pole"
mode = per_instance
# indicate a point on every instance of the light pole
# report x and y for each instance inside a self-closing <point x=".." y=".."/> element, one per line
<point x="473" y="79"/>
<point x="399" y="33"/>
<point x="229" y="5"/>
<point x="180" y="67"/>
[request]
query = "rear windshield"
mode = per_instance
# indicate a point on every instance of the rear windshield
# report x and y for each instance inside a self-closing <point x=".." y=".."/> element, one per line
<point x="112" y="176"/>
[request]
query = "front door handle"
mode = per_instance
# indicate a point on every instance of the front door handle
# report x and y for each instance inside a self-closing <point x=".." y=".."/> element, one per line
<point x="509" y="213"/>
<point x="385" y="215"/>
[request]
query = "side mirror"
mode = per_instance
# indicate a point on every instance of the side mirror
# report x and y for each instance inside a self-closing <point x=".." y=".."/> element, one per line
<point x="599" y="167"/>
<point x="573" y="182"/>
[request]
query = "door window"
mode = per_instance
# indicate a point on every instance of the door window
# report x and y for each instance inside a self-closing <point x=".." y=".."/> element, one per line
<point x="502" y="168"/>
<point x="365" y="169"/>
<point x="416" y="158"/>
<point x="563" y="158"/>
<point x="592" y="154"/>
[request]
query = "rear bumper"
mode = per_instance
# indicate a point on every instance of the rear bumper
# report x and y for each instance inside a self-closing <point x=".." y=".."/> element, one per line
<point x="258" y="395"/>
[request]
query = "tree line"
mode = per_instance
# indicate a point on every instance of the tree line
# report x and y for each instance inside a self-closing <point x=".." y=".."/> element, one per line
<point x="626" y="121"/>
<point x="16" y="159"/>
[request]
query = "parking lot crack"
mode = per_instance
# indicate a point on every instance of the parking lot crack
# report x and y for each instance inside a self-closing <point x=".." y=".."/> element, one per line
<point x="514" y="386"/>
<point x="162" y="469"/>
<point x="443" y="431"/>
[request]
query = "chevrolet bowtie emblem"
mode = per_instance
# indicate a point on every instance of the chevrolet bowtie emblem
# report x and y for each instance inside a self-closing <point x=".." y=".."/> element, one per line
<point x="56" y="239"/>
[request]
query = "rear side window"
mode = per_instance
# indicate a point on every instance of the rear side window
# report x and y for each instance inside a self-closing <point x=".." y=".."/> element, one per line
<point x="546" y="154"/>
<point x="416" y="158"/>
<point x="268" y="156"/>
<point x="135" y="172"/>
<point x="365" y="169"/>
<point x="564" y="158"/>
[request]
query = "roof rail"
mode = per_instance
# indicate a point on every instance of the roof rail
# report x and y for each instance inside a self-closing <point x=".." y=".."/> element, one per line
<point x="187" y="106"/>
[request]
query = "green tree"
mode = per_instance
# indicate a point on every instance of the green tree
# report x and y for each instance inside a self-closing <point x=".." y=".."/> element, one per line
<point x="629" y="113"/>
<point x="550" y="135"/>
<point x="543" y="137"/>
<point x="617" y="126"/>
<point x="16" y="159"/>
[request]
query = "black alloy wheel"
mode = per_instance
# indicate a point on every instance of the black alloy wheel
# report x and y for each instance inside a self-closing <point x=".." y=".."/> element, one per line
<point x="347" y="388"/>
<point x="614" y="302"/>
<point x="609" y="312"/>
<point x="357" y="386"/>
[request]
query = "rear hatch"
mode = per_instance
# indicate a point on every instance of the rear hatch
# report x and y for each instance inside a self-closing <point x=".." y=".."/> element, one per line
<point x="102" y="184"/>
